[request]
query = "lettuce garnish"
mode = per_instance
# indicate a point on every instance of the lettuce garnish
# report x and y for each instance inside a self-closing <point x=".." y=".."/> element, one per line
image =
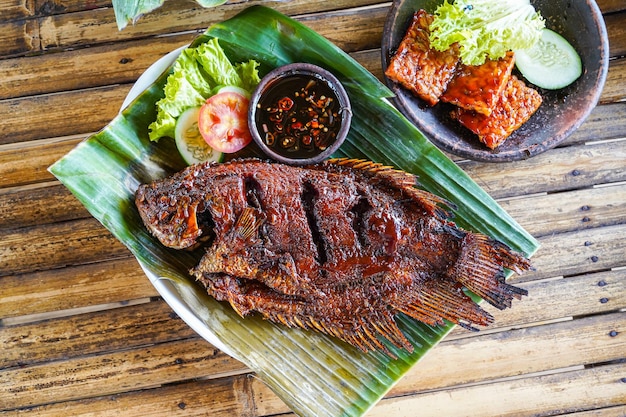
<point x="129" y="11"/>
<point x="196" y="73"/>
<point x="485" y="29"/>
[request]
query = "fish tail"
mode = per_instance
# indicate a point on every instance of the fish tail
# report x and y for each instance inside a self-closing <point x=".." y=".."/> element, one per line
<point x="480" y="268"/>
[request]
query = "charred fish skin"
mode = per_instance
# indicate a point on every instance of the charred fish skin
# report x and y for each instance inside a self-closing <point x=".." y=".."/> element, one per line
<point x="340" y="247"/>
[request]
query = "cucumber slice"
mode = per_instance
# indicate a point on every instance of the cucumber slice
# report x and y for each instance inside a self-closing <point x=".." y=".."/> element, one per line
<point x="232" y="89"/>
<point x="551" y="64"/>
<point x="189" y="142"/>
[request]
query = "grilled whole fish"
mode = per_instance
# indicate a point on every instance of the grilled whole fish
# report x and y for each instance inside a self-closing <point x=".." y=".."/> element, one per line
<point x="340" y="247"/>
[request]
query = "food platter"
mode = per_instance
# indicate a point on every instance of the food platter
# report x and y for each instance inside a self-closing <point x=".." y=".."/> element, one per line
<point x="562" y="111"/>
<point x="329" y="377"/>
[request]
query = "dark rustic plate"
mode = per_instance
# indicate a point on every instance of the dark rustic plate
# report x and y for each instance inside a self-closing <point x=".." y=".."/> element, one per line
<point x="562" y="111"/>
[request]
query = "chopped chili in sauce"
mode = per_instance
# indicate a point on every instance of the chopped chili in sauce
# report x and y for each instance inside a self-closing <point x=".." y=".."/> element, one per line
<point x="299" y="117"/>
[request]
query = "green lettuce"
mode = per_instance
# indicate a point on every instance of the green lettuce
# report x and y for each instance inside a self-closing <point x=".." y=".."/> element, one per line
<point x="249" y="74"/>
<point x="195" y="74"/>
<point x="485" y="29"/>
<point x="129" y="11"/>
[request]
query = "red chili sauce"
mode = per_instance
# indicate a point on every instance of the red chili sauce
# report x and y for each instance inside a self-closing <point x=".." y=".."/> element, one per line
<point x="299" y="116"/>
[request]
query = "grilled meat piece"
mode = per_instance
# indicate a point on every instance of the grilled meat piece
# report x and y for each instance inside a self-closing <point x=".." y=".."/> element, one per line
<point x="479" y="87"/>
<point x="340" y="247"/>
<point x="418" y="68"/>
<point x="517" y="104"/>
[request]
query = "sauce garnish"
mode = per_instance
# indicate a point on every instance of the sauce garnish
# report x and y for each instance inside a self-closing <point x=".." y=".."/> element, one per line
<point x="299" y="116"/>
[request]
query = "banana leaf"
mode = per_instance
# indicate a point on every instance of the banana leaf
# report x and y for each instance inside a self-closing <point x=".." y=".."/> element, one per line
<point x="315" y="375"/>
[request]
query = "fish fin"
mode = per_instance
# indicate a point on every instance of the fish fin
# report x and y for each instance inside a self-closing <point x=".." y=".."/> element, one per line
<point x="440" y="299"/>
<point x="431" y="203"/>
<point x="248" y="223"/>
<point x="230" y="253"/>
<point x="405" y="182"/>
<point x="246" y="296"/>
<point x="372" y="169"/>
<point x="281" y="274"/>
<point x="384" y="324"/>
<point x="224" y="287"/>
<point x="480" y="268"/>
<point x="365" y="333"/>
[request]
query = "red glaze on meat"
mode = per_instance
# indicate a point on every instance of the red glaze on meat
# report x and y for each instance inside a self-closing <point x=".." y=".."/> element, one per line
<point x="340" y="247"/>
<point x="517" y="103"/>
<point x="424" y="71"/>
<point x="479" y="87"/>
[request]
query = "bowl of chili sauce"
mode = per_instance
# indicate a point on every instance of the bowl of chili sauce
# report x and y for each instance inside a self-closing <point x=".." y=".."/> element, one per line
<point x="299" y="114"/>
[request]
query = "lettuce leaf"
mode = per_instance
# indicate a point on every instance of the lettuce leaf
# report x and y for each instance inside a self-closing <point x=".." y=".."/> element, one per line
<point x="249" y="74"/>
<point x="214" y="61"/>
<point x="485" y="29"/>
<point x="129" y="11"/>
<point x="195" y="74"/>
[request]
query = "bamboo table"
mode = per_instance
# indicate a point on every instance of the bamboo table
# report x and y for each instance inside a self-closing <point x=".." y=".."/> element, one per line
<point x="83" y="332"/>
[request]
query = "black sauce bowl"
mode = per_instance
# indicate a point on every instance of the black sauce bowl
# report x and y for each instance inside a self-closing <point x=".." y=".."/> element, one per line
<point x="291" y="145"/>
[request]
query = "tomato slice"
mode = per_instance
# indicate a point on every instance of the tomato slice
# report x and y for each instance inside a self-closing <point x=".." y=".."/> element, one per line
<point x="223" y="122"/>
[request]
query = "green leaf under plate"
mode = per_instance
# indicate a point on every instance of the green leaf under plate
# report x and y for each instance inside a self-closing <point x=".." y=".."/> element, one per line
<point x="314" y="374"/>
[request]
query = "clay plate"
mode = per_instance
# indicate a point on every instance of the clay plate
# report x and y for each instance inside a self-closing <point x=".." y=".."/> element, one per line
<point x="562" y="111"/>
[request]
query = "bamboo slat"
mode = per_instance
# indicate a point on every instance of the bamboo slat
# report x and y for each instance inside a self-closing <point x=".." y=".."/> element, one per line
<point x="612" y="411"/>
<point x="617" y="41"/>
<point x="75" y="287"/>
<point x="568" y="211"/>
<point x="517" y="352"/>
<point x="28" y="163"/>
<point x="98" y="26"/>
<point x="112" y="373"/>
<point x="39" y="204"/>
<point x="611" y="6"/>
<point x="98" y="66"/>
<point x="52" y="7"/>
<point x="576" y="390"/>
<point x="57" y="245"/>
<point x="578" y="252"/>
<point x="19" y="37"/>
<point x="61" y="114"/>
<point x="603" y="123"/>
<point x="616" y="78"/>
<point x="111" y="330"/>
<point x="224" y="397"/>
<point x="16" y="9"/>
<point x="49" y="7"/>
<point x="244" y="396"/>
<point x="561" y="169"/>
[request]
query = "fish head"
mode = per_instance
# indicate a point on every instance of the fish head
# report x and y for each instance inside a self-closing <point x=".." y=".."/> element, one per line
<point x="171" y="219"/>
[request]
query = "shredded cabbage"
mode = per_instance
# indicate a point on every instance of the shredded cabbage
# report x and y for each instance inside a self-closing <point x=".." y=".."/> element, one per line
<point x="195" y="74"/>
<point x="485" y="28"/>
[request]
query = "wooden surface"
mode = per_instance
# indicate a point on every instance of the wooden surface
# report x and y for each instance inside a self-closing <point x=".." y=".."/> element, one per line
<point x="83" y="332"/>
